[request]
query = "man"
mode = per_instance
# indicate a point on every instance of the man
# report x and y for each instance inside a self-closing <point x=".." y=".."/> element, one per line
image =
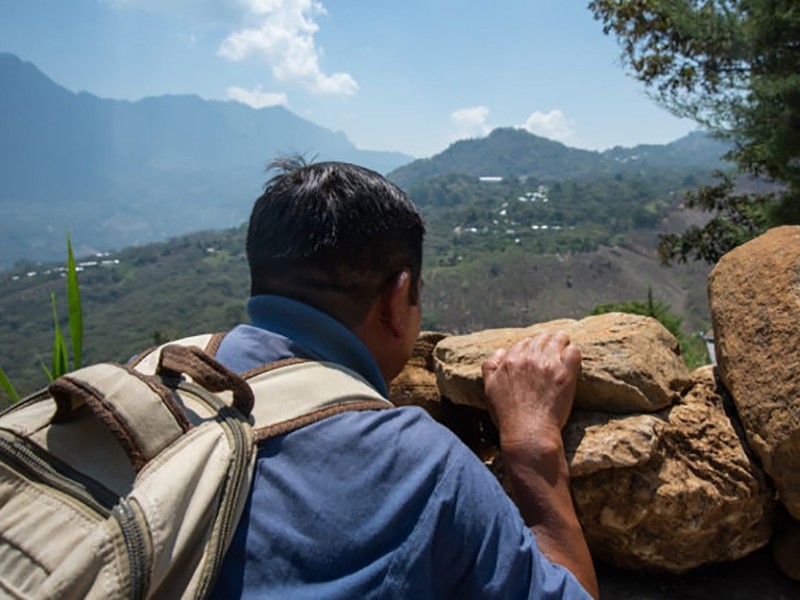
<point x="387" y="503"/>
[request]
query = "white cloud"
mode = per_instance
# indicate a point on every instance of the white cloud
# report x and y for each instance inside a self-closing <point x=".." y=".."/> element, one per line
<point x="284" y="38"/>
<point x="553" y="125"/>
<point x="470" y="122"/>
<point x="256" y="97"/>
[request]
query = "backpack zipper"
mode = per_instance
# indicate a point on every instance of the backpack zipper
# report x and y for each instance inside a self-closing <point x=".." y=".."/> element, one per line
<point x="241" y="460"/>
<point x="40" y="468"/>
<point x="233" y="424"/>
<point x="129" y="518"/>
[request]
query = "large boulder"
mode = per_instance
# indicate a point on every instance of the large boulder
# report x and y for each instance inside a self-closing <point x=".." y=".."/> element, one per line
<point x="754" y="295"/>
<point x="630" y="363"/>
<point x="458" y="358"/>
<point x="668" y="491"/>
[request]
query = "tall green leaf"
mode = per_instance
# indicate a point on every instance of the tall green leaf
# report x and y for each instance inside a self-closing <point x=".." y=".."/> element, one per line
<point x="60" y="359"/>
<point x="47" y="372"/>
<point x="5" y="383"/>
<point x="74" y="307"/>
<point x="59" y="345"/>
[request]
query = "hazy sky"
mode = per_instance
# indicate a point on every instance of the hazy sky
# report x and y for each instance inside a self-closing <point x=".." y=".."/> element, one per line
<point x="410" y="75"/>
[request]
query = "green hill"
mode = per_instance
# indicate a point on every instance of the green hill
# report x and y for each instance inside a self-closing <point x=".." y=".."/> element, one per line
<point x="510" y="152"/>
<point x="505" y="152"/>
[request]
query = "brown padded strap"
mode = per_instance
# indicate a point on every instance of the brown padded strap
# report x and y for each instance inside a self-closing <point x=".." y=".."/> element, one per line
<point x="206" y="372"/>
<point x="213" y="344"/>
<point x="264" y="433"/>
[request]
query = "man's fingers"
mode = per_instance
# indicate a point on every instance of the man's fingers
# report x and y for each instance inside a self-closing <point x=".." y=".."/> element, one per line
<point x="561" y="339"/>
<point x="492" y="363"/>
<point x="556" y="345"/>
<point x="562" y="344"/>
<point x="541" y="341"/>
<point x="572" y="357"/>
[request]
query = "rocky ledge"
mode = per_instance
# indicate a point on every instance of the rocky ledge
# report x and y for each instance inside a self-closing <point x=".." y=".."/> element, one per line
<point x="671" y="470"/>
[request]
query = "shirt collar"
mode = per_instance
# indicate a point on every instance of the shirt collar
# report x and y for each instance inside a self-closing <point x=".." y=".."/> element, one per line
<point x="321" y="335"/>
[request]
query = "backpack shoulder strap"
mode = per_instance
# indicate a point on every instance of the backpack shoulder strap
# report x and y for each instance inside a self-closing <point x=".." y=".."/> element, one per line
<point x="294" y="393"/>
<point x="289" y="394"/>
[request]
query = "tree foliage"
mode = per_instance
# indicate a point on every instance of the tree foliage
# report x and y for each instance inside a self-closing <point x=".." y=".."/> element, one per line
<point x="734" y="67"/>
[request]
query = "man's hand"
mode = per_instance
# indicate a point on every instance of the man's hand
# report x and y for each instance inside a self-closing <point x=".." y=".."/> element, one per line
<point x="530" y="388"/>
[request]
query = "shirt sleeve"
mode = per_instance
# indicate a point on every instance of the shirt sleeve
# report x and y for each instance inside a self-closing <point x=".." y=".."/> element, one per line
<point x="475" y="543"/>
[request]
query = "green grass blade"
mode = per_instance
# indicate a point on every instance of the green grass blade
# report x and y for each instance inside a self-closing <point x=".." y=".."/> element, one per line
<point x="5" y="383"/>
<point x="47" y="372"/>
<point x="59" y="345"/>
<point x="74" y="307"/>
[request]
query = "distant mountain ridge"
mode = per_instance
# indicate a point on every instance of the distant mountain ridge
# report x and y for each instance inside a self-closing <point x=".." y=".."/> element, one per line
<point x="513" y="152"/>
<point x="118" y="173"/>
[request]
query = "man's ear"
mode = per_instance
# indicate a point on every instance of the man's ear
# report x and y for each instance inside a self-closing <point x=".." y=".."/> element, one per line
<point x="396" y="302"/>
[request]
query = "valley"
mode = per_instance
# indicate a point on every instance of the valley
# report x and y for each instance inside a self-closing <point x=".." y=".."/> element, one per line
<point x="520" y="229"/>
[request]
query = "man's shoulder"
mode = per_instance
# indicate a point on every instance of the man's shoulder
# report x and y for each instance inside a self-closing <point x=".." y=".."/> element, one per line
<point x="397" y="429"/>
<point x="402" y="444"/>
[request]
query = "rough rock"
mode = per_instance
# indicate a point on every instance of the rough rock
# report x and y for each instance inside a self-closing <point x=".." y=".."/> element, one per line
<point x="754" y="295"/>
<point x="599" y="441"/>
<point x="630" y="363"/>
<point x="416" y="384"/>
<point x="458" y="359"/>
<point x="422" y="352"/>
<point x="668" y="491"/>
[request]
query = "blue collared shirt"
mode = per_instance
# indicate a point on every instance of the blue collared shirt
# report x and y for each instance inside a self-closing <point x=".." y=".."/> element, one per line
<point x="285" y="328"/>
<point x="370" y="504"/>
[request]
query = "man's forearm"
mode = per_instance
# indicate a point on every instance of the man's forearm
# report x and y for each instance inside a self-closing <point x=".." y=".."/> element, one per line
<point x="539" y="476"/>
<point x="530" y="389"/>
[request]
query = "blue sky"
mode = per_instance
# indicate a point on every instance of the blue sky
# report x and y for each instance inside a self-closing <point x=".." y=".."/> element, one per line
<point x="411" y="76"/>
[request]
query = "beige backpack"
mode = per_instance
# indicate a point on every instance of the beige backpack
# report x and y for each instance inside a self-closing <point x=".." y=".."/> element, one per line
<point x="128" y="481"/>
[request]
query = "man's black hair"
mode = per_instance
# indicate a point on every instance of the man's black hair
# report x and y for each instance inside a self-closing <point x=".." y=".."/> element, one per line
<point x="332" y="235"/>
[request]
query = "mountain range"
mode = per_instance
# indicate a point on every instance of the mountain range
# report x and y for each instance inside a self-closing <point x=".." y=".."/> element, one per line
<point x="116" y="173"/>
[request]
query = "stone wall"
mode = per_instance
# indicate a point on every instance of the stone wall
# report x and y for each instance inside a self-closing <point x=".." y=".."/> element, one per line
<point x="670" y="469"/>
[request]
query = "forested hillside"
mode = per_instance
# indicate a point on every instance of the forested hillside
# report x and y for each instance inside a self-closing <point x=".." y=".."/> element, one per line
<point x="473" y="280"/>
<point x="511" y="152"/>
<point x="520" y="229"/>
